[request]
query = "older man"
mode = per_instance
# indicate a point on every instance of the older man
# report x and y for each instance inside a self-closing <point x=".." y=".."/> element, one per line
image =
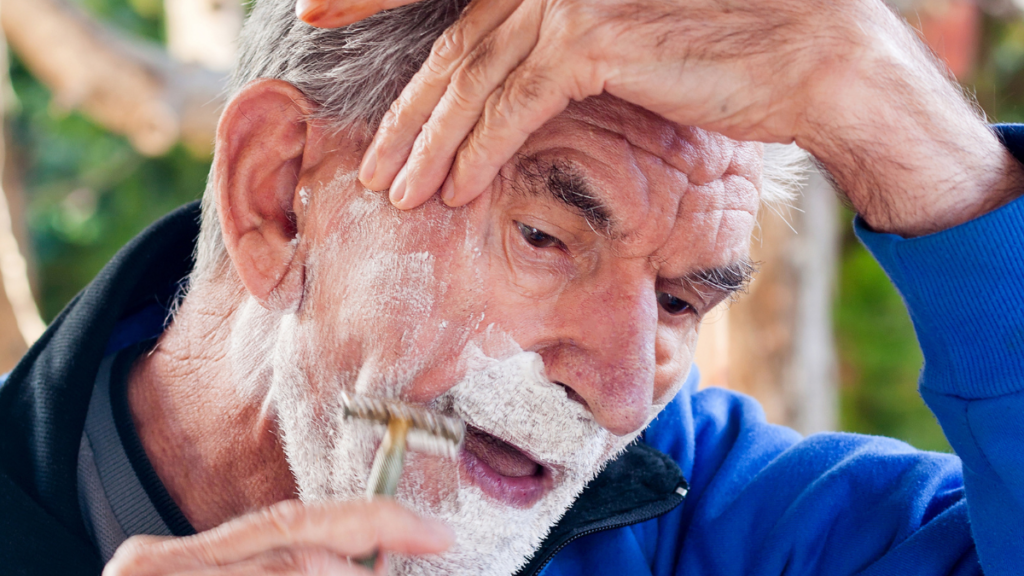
<point x="195" y="427"/>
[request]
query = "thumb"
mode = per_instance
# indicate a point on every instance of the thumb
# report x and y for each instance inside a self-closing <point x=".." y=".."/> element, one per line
<point x="338" y="13"/>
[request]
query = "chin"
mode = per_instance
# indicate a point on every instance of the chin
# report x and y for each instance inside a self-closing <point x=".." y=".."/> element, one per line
<point x="529" y="452"/>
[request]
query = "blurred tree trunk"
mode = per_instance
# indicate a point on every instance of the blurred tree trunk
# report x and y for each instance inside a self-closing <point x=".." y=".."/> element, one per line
<point x="775" y="343"/>
<point x="20" y="324"/>
<point x="126" y="85"/>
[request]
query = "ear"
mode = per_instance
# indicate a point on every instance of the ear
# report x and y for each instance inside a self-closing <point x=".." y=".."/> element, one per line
<point x="261" y="140"/>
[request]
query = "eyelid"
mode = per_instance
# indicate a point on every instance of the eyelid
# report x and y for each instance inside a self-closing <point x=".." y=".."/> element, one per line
<point x="687" y="292"/>
<point x="699" y="306"/>
<point x="690" y="308"/>
<point x="558" y="241"/>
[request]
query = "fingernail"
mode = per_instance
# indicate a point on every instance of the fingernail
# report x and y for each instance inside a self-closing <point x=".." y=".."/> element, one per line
<point x="448" y="190"/>
<point x="369" y="166"/>
<point x="398" y="187"/>
<point x="312" y="11"/>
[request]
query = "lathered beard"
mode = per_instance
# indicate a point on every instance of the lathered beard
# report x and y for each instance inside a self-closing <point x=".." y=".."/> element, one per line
<point x="509" y="399"/>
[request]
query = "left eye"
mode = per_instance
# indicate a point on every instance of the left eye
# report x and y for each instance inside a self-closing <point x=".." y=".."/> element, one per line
<point x="536" y="238"/>
<point x="673" y="305"/>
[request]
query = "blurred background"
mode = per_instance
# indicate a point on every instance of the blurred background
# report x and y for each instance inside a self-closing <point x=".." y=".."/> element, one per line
<point x="109" y="109"/>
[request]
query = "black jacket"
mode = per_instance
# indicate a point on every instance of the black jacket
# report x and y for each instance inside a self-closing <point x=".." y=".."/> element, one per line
<point x="44" y="401"/>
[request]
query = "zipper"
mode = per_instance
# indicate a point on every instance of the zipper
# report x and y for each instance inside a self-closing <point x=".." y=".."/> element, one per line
<point x="667" y="507"/>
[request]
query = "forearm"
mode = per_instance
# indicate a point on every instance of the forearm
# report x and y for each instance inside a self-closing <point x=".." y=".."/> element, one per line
<point x="911" y="153"/>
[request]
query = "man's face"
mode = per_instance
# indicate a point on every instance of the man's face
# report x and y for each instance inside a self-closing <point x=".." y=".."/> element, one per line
<point x="597" y="251"/>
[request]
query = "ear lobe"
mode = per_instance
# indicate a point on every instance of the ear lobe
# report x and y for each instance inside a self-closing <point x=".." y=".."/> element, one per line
<point x="261" y="139"/>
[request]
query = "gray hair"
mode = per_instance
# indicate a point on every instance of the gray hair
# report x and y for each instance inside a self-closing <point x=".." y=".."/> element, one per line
<point x="354" y="74"/>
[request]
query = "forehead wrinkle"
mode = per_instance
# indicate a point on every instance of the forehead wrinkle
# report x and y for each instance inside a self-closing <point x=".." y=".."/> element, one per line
<point x="703" y="156"/>
<point x="725" y="279"/>
<point x="708" y="252"/>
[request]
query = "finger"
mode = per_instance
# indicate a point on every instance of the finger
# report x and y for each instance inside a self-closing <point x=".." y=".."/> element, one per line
<point x="125" y="561"/>
<point x="288" y="562"/>
<point x="338" y="13"/>
<point x="394" y="138"/>
<point x="353" y="528"/>
<point x="530" y="97"/>
<point x="482" y="72"/>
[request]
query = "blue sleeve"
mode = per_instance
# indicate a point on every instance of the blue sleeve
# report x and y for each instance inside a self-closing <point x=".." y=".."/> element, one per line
<point x="764" y="501"/>
<point x="964" y="288"/>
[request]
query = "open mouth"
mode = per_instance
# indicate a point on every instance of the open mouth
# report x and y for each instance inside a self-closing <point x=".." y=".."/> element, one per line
<point x="503" y="471"/>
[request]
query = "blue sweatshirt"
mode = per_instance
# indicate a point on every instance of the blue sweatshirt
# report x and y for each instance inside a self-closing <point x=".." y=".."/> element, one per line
<point x="764" y="500"/>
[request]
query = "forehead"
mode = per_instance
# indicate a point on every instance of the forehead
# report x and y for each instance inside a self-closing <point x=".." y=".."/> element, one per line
<point x="664" y="188"/>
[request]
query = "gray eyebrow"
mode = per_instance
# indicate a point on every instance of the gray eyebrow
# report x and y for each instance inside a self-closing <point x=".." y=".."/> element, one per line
<point x="564" y="184"/>
<point x="731" y="278"/>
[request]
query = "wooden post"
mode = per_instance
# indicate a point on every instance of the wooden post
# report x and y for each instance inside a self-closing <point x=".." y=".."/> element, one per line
<point x="20" y="324"/>
<point x="775" y="343"/>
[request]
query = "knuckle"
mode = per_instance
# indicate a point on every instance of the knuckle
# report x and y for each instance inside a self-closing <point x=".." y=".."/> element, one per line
<point x="480" y="57"/>
<point x="470" y="79"/>
<point x="129" y="557"/>
<point x="408" y="107"/>
<point x="395" y="111"/>
<point x="285" y="517"/>
<point x="449" y="47"/>
<point x="465" y="89"/>
<point x="519" y="93"/>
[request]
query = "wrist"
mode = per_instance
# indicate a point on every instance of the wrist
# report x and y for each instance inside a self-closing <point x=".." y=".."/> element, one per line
<point x="903" y="144"/>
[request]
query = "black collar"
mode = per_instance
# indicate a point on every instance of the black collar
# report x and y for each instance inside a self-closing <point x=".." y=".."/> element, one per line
<point x="639" y="485"/>
<point x="44" y="400"/>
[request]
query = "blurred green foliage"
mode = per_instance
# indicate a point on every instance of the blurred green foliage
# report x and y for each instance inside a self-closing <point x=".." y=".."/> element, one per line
<point x="878" y="354"/>
<point x="89" y="192"/>
<point x="998" y="81"/>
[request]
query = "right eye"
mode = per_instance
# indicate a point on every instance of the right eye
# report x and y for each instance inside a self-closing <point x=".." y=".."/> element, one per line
<point x="536" y="238"/>
<point x="673" y="305"/>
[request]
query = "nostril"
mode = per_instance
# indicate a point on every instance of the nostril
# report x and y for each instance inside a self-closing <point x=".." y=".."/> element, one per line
<point x="573" y="395"/>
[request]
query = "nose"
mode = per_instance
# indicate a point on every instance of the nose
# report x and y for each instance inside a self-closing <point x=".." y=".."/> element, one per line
<point x="604" y="351"/>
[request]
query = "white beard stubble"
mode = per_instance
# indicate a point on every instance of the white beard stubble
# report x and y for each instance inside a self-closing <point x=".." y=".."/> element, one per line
<point x="509" y="398"/>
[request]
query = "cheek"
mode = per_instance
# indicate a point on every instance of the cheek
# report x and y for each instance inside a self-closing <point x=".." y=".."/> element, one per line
<point x="394" y="301"/>
<point x="524" y="271"/>
<point x="673" y="348"/>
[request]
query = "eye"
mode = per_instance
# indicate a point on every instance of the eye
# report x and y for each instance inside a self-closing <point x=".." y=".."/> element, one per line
<point x="673" y="305"/>
<point x="536" y="238"/>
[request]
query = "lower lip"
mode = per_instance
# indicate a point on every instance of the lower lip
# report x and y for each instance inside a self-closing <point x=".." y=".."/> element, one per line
<point x="520" y="492"/>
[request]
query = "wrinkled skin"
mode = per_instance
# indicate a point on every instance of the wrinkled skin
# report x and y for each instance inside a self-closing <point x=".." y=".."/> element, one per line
<point x="684" y="201"/>
<point x="592" y="303"/>
<point x="845" y="80"/>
